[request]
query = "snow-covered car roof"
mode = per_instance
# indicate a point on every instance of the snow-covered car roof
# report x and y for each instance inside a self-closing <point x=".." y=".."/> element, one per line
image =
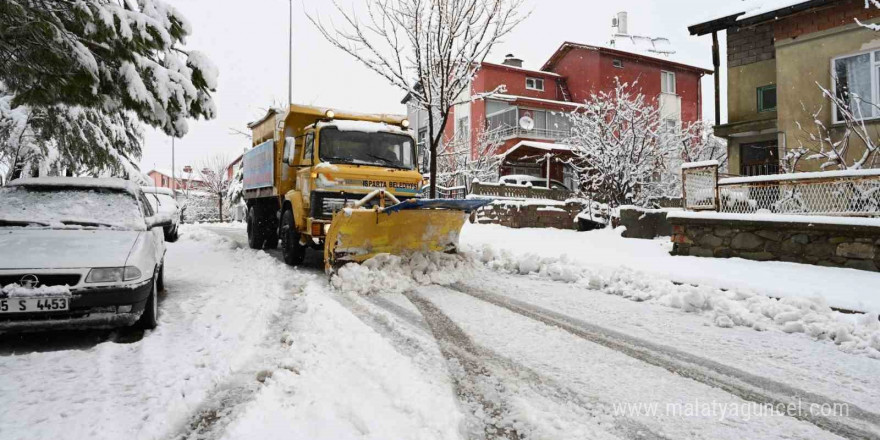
<point x="79" y="182"/>
<point x="158" y="190"/>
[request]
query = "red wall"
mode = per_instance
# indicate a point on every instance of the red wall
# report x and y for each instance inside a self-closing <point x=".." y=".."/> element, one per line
<point x="590" y="71"/>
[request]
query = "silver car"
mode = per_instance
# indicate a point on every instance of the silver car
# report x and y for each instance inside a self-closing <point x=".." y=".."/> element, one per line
<point x="79" y="252"/>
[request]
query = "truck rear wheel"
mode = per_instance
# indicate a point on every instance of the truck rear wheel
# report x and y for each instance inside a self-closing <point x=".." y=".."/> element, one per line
<point x="270" y="226"/>
<point x="294" y="252"/>
<point x="254" y="229"/>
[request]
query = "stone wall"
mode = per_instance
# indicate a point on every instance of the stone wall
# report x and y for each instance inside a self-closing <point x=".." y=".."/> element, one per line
<point x="514" y="214"/>
<point x="750" y="45"/>
<point x="856" y="247"/>
<point x="644" y="223"/>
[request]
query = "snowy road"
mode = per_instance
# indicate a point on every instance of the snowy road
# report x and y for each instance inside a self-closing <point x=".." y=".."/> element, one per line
<point x="249" y="348"/>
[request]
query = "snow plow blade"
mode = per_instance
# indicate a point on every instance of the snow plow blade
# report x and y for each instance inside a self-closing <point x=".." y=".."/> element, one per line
<point x="356" y="235"/>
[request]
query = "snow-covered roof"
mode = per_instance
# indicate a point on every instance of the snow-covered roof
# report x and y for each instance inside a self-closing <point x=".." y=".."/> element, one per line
<point x="724" y="15"/>
<point x="78" y="182"/>
<point x="631" y="51"/>
<point x="180" y="174"/>
<point x="511" y="98"/>
<point x="643" y="45"/>
<point x="546" y="146"/>
<point x="522" y="69"/>
<point x="362" y="126"/>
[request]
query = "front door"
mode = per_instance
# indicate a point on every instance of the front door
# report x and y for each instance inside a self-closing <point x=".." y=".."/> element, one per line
<point x="759" y="159"/>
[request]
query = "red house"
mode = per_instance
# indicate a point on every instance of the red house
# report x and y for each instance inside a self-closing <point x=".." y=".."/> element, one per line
<point x="530" y="118"/>
<point x="186" y="179"/>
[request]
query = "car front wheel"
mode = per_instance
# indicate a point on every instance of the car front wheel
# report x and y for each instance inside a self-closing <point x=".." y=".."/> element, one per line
<point x="149" y="319"/>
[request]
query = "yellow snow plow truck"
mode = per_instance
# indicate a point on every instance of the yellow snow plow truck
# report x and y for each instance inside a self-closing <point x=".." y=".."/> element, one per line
<point x="343" y="183"/>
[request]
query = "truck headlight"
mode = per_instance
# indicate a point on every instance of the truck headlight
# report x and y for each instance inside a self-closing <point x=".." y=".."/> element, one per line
<point x="113" y="274"/>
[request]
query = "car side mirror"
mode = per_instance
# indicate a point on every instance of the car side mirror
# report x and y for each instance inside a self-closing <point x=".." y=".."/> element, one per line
<point x="159" y="221"/>
<point x="290" y="150"/>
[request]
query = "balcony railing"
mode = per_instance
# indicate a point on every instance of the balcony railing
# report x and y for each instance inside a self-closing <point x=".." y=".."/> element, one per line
<point x="501" y="190"/>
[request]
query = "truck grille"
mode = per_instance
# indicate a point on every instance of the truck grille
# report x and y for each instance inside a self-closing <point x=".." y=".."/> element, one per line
<point x="324" y="204"/>
<point x="44" y="279"/>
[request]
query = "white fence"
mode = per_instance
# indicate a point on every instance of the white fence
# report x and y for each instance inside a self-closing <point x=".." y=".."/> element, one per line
<point x="834" y="193"/>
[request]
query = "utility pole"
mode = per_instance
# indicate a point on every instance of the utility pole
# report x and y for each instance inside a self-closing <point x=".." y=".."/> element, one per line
<point x="173" y="179"/>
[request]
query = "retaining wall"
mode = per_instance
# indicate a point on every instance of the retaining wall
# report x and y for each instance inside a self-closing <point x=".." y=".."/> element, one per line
<point x="835" y="245"/>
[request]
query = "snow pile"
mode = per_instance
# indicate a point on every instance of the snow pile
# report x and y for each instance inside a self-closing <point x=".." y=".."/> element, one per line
<point x="857" y="334"/>
<point x="16" y="291"/>
<point x="386" y="273"/>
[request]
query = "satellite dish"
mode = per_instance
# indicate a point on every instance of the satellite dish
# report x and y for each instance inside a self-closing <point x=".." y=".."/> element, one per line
<point x="527" y="123"/>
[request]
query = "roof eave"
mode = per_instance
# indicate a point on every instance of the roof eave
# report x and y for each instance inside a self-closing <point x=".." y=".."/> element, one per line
<point x="733" y="20"/>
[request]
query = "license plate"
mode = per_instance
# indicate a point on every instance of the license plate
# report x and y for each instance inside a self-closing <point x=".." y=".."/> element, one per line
<point x="34" y="305"/>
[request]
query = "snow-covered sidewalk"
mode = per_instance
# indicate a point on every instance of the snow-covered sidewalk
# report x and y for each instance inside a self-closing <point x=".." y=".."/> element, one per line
<point x="607" y="250"/>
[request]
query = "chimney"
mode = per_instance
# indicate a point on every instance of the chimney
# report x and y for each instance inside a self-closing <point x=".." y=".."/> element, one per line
<point x="187" y="169"/>
<point x="512" y="61"/>
<point x="621" y="23"/>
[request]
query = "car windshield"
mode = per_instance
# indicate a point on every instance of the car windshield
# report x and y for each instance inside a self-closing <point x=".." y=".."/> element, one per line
<point x="367" y="148"/>
<point x="162" y="203"/>
<point x="69" y="208"/>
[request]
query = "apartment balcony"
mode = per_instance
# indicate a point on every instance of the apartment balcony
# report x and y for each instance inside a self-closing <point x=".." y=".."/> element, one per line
<point x="528" y="123"/>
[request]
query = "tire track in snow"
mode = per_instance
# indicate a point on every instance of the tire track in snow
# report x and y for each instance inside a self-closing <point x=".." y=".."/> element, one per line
<point x="226" y="401"/>
<point x="478" y="389"/>
<point x="544" y="386"/>
<point x="859" y="424"/>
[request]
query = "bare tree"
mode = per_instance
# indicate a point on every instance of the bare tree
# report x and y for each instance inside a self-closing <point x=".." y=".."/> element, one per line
<point x="832" y="145"/>
<point x="430" y="49"/>
<point x="212" y="171"/>
<point x="459" y="164"/>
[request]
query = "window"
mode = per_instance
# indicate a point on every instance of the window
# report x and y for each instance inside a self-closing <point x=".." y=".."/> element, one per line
<point x="309" y="147"/>
<point x="382" y="149"/>
<point x="671" y="124"/>
<point x="462" y="128"/>
<point x="855" y="82"/>
<point x="667" y="82"/>
<point x="618" y="64"/>
<point x="767" y="99"/>
<point x="535" y="84"/>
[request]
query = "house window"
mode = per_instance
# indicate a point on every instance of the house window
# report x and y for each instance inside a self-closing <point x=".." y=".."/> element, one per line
<point x="462" y="130"/>
<point x="618" y="64"/>
<point x="767" y="99"/>
<point x="667" y="82"/>
<point x="671" y="124"/>
<point x="855" y="82"/>
<point x="535" y="84"/>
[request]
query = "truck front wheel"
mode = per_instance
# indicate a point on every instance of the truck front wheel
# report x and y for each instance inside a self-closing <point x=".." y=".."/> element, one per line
<point x="294" y="252"/>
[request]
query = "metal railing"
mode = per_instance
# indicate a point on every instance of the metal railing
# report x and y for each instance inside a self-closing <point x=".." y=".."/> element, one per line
<point x="505" y="124"/>
<point x="455" y="192"/>
<point x="833" y="193"/>
<point x="519" y="192"/>
<point x="699" y="186"/>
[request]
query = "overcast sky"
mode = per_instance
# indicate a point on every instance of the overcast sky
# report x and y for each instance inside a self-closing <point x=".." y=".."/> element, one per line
<point x="248" y="42"/>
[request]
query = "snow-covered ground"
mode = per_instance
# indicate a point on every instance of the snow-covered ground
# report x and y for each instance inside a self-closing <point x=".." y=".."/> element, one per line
<point x="508" y="340"/>
<point x="606" y="250"/>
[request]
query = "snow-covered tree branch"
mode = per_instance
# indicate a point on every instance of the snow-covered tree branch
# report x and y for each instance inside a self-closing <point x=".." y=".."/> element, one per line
<point x="85" y="73"/>
<point x="430" y="49"/>
<point x="626" y="154"/>
<point x="833" y="146"/>
<point x="212" y="171"/>
<point x="459" y="164"/>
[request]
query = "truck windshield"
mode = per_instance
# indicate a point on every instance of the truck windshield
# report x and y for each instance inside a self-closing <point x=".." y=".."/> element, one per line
<point x="367" y="148"/>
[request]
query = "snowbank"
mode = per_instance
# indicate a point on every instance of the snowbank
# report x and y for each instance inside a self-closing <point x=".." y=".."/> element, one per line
<point x="395" y="274"/>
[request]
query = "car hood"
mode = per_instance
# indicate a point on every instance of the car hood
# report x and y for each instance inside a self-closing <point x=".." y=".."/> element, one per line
<point x="64" y="249"/>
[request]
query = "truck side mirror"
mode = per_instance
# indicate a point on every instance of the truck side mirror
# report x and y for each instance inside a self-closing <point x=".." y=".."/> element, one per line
<point x="290" y="150"/>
